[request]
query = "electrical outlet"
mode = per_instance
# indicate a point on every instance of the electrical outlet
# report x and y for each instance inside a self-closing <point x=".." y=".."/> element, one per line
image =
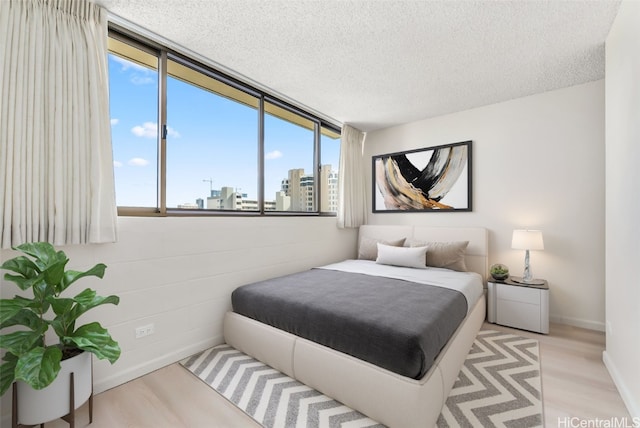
<point x="144" y="330"/>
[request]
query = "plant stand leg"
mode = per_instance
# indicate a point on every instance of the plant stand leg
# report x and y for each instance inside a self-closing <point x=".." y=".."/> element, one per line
<point x="14" y="409"/>
<point x="14" y="406"/>
<point x="91" y="407"/>
<point x="71" y="416"/>
<point x="91" y="397"/>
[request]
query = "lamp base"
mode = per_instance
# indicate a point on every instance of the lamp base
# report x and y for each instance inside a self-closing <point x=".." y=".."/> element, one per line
<point x="521" y="280"/>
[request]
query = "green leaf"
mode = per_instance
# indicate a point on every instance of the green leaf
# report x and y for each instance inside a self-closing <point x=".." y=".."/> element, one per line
<point x="25" y="317"/>
<point x="87" y="299"/>
<point x="63" y="326"/>
<point x="22" y="265"/>
<point x="96" y="339"/>
<point x="7" y="372"/>
<point x="72" y="276"/>
<point x="41" y="291"/>
<point x="54" y="274"/>
<point x="68" y="313"/>
<point x="9" y="308"/>
<point x="39" y="367"/>
<point x="64" y="322"/>
<point x="22" y="282"/>
<point x="43" y="253"/>
<point x="21" y="341"/>
<point x="60" y="306"/>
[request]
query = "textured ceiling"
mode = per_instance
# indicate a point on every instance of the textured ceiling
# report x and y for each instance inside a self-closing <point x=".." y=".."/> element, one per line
<point x="380" y="63"/>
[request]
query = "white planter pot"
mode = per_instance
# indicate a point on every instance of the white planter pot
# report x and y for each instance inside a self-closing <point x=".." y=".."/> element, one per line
<point x="36" y="406"/>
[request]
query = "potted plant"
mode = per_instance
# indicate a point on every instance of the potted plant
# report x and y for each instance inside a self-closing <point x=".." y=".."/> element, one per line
<point x="499" y="271"/>
<point x="29" y="360"/>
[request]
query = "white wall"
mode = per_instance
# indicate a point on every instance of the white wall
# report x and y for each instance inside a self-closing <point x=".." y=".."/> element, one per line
<point x="178" y="273"/>
<point x="622" y="355"/>
<point x="538" y="162"/>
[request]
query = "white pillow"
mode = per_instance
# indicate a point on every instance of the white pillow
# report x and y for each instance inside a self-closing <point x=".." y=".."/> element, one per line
<point x="413" y="257"/>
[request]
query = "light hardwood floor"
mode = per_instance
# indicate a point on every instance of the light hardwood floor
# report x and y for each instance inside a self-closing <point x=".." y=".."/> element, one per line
<point x="575" y="383"/>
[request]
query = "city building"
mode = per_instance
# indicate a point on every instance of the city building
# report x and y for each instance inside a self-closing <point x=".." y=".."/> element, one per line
<point x="300" y="188"/>
<point x="297" y="194"/>
<point x="226" y="198"/>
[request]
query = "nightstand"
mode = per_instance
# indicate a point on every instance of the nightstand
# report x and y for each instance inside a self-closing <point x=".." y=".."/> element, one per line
<point x="518" y="305"/>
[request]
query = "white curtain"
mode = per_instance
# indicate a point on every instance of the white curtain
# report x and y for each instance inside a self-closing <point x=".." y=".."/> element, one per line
<point x="352" y="202"/>
<point x="56" y="163"/>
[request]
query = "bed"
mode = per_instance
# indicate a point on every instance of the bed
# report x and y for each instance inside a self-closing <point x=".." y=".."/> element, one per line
<point x="378" y="388"/>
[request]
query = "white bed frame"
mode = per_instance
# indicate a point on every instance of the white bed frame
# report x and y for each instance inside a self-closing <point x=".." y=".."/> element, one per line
<point x="389" y="398"/>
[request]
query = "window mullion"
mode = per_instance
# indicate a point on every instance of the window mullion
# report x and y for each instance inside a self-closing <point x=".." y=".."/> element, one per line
<point x="318" y="167"/>
<point x="261" y="197"/>
<point x="162" y="135"/>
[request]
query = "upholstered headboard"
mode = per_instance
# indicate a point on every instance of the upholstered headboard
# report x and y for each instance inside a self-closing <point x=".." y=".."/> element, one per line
<point x="477" y="254"/>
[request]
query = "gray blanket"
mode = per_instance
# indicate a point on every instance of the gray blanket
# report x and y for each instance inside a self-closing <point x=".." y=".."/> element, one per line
<point x="397" y="325"/>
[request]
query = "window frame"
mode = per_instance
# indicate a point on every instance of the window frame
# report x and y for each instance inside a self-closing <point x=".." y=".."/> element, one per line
<point x="165" y="54"/>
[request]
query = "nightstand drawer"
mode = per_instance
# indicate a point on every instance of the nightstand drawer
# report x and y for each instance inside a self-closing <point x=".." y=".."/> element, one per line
<point x="518" y="294"/>
<point x="519" y="315"/>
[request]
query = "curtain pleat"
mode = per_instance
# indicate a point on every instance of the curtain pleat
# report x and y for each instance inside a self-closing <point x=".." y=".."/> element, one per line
<point x="56" y="162"/>
<point x="352" y="202"/>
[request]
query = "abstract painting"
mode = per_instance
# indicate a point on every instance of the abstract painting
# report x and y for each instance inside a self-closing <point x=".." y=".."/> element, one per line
<point x="432" y="179"/>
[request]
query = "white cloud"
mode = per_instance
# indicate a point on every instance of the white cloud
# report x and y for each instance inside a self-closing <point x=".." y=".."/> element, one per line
<point x="114" y="121"/>
<point x="150" y="130"/>
<point x="140" y="75"/>
<point x="137" y="79"/>
<point x="147" y="130"/>
<point x="117" y="164"/>
<point x="138" y="162"/>
<point x="126" y="64"/>
<point x="273" y="155"/>
<point x="172" y="132"/>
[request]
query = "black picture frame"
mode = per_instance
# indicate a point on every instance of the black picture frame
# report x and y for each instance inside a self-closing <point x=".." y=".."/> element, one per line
<point x="431" y="179"/>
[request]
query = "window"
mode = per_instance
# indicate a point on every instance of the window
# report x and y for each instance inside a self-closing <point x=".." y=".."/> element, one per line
<point x="289" y="141"/>
<point x="212" y="150"/>
<point x="133" y="78"/>
<point x="221" y="145"/>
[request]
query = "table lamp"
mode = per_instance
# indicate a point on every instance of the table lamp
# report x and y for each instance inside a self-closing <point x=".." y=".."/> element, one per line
<point x="527" y="240"/>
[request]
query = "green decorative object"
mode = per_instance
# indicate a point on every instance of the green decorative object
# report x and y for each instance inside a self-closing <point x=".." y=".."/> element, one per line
<point x="28" y="357"/>
<point x="499" y="271"/>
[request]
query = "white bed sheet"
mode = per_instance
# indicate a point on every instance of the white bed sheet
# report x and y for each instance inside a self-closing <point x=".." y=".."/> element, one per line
<point x="470" y="284"/>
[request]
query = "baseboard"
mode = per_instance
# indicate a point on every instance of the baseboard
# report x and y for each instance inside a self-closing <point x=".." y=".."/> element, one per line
<point x="577" y="322"/>
<point x="101" y="385"/>
<point x="633" y="406"/>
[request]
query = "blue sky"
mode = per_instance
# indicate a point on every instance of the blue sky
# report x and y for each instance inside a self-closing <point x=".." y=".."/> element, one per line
<point x="209" y="137"/>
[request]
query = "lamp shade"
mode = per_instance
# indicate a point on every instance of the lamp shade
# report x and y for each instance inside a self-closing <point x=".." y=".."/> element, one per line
<point x="525" y="239"/>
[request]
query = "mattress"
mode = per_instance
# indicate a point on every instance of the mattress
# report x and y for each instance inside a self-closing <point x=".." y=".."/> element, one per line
<point x="395" y="323"/>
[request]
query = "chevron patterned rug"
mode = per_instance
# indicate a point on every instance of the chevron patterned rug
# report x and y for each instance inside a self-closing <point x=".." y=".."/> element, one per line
<point x="499" y="386"/>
